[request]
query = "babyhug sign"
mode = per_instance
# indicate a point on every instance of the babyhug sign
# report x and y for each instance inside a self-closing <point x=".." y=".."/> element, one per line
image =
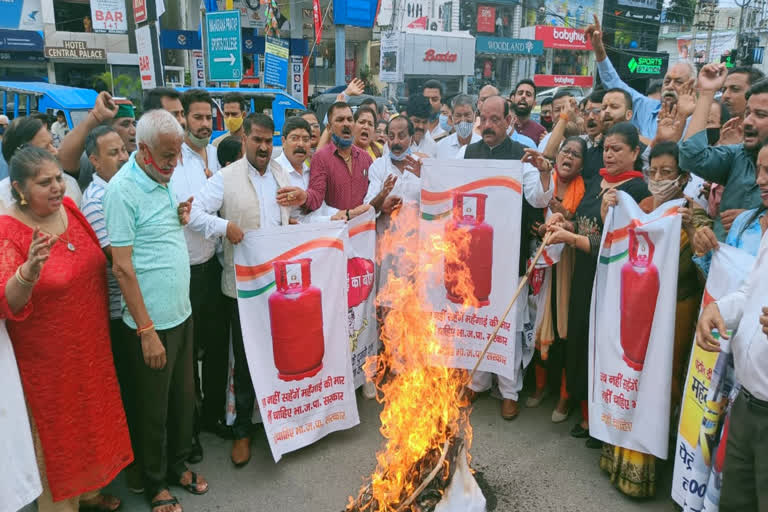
<point x="291" y="294"/>
<point x="631" y="346"/>
<point x="563" y="38"/>
<point x="479" y="202"/>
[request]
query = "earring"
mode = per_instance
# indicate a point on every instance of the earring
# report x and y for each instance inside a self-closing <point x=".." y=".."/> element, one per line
<point x="23" y="201"/>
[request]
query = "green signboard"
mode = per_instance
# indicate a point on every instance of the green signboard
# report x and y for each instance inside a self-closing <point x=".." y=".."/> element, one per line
<point x="646" y="65"/>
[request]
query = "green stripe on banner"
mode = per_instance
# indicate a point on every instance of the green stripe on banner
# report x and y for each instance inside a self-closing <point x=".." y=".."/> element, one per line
<point x="247" y="294"/>
<point x="436" y="216"/>
<point x="612" y="259"/>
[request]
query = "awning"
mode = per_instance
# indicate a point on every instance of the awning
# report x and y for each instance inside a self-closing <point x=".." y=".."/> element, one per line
<point x="21" y="41"/>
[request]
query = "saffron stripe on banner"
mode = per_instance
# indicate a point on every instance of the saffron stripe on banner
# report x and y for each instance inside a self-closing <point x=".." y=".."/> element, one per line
<point x="621" y="233"/>
<point x="247" y="294"/>
<point x="248" y="273"/>
<point x="366" y="226"/>
<point x="428" y="197"/>
<point x="707" y="299"/>
<point x="612" y="259"/>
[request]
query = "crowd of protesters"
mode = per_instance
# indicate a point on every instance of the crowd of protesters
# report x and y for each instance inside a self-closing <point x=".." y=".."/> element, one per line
<point x="117" y="274"/>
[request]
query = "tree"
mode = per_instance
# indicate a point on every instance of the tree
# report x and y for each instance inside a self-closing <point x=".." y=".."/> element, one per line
<point x="681" y="11"/>
<point x="122" y="85"/>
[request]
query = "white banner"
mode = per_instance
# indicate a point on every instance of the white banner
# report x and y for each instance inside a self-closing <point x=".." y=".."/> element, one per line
<point x="292" y="299"/>
<point x="632" y="327"/>
<point x="484" y="198"/>
<point x="146" y="60"/>
<point x="361" y="282"/>
<point x="391" y="57"/>
<point x="709" y="388"/>
<point x="109" y="16"/>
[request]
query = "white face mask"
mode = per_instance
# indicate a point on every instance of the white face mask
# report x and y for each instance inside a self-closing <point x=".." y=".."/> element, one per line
<point x="464" y="129"/>
<point x="664" y="190"/>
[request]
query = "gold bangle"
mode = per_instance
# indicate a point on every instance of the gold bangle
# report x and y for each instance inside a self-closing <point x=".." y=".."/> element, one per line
<point x="142" y="330"/>
<point x="22" y="280"/>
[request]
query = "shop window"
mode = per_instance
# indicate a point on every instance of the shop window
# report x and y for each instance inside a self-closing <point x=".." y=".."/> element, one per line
<point x="73" y="15"/>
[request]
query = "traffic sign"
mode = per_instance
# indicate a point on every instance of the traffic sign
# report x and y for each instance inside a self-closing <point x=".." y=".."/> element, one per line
<point x="224" y="46"/>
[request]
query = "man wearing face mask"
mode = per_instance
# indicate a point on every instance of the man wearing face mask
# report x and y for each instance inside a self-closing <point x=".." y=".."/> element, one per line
<point x="235" y="108"/>
<point x="198" y="163"/>
<point x="732" y="166"/>
<point x="419" y="113"/>
<point x="252" y="193"/>
<point x="433" y="91"/>
<point x="463" y="115"/>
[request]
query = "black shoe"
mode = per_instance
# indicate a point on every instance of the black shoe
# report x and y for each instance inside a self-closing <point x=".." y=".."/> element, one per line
<point x="594" y="444"/>
<point x="579" y="432"/>
<point x="220" y="429"/>
<point x="196" y="454"/>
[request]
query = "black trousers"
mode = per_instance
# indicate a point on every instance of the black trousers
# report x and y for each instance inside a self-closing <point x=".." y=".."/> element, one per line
<point x="244" y="393"/>
<point x="166" y="405"/>
<point x="212" y="340"/>
<point x="123" y="354"/>
<point x="745" y="471"/>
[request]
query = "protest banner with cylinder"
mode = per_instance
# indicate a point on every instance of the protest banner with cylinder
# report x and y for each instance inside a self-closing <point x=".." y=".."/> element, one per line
<point x="632" y="327"/>
<point x="361" y="280"/>
<point x="293" y="311"/>
<point x="482" y="200"/>
<point x="710" y="388"/>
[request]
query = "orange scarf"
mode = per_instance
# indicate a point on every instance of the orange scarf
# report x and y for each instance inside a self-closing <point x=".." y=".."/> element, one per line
<point x="574" y="192"/>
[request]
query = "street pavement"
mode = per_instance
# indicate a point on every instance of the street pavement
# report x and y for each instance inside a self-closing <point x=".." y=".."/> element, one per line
<point x="529" y="464"/>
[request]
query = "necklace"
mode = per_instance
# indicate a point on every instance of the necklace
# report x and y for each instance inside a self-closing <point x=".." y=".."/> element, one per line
<point x="70" y="245"/>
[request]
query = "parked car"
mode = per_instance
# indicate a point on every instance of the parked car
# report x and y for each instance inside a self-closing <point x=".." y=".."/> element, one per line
<point x="578" y="92"/>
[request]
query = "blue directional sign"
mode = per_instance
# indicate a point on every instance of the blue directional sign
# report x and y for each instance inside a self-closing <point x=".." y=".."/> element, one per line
<point x="276" y="62"/>
<point x="224" y="46"/>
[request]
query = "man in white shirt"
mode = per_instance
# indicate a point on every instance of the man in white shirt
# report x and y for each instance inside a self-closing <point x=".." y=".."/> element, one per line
<point x="198" y="163"/>
<point x="463" y="116"/>
<point x="419" y="112"/>
<point x="745" y="472"/>
<point x="433" y="91"/>
<point x="253" y="193"/>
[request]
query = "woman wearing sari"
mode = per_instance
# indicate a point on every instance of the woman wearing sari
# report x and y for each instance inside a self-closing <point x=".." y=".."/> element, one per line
<point x="552" y="312"/>
<point x="621" y="155"/>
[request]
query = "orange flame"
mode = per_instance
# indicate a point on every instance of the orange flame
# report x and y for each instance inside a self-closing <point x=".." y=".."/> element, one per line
<point x="422" y="409"/>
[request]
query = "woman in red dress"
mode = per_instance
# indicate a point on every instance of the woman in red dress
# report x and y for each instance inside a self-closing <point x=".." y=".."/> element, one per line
<point x="53" y="293"/>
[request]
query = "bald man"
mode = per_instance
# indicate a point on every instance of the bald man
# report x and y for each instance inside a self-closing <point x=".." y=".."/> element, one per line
<point x="486" y="92"/>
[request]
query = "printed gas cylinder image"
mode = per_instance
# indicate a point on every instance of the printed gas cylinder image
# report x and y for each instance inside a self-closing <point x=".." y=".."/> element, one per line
<point x="296" y="318"/>
<point x="469" y="217"/>
<point x="639" y="293"/>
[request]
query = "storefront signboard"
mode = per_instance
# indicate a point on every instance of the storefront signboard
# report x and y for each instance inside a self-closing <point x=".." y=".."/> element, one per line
<point x="297" y="78"/>
<point x="76" y="50"/>
<point x="637" y="64"/>
<point x="109" y="16"/>
<point x="21" y="14"/>
<point x="21" y="41"/>
<point x="140" y="11"/>
<point x="505" y="46"/>
<point x="431" y="54"/>
<point x="486" y="19"/>
<point x="561" y="80"/>
<point x="391" y="58"/>
<point x="562" y="38"/>
<point x="150" y="63"/>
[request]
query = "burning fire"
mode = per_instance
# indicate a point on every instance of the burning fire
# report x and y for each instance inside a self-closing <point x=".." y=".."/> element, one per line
<point x="424" y="410"/>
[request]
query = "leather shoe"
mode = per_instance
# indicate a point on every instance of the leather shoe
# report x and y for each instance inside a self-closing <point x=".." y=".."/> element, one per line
<point x="241" y="452"/>
<point x="196" y="453"/>
<point x="509" y="409"/>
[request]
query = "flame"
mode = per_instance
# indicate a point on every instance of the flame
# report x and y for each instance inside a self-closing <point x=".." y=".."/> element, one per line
<point x="422" y="405"/>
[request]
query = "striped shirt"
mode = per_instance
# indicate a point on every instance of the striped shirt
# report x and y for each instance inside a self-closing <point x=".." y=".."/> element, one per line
<point x="93" y="209"/>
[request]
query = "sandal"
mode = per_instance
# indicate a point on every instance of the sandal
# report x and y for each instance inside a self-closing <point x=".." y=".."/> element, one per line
<point x="191" y="487"/>
<point x="102" y="503"/>
<point x="163" y="503"/>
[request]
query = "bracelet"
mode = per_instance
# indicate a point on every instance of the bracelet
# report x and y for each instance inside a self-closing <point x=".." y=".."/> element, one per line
<point x="142" y="330"/>
<point x="563" y="116"/>
<point x="23" y="281"/>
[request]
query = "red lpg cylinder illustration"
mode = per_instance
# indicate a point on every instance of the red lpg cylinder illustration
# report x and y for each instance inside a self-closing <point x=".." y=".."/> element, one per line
<point x="296" y="317"/>
<point x="469" y="216"/>
<point x="639" y="292"/>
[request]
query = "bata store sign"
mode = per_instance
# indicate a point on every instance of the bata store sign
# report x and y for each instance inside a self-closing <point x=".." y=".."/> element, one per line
<point x="562" y="38"/>
<point x="558" y="80"/>
<point x="427" y="53"/>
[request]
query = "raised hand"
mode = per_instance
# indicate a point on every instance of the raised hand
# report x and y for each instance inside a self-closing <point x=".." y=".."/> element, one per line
<point x="537" y="160"/>
<point x="686" y="100"/>
<point x="594" y="34"/>
<point x="670" y="125"/>
<point x="104" y="108"/>
<point x="712" y="77"/>
<point x="38" y="253"/>
<point x="355" y="87"/>
<point x="732" y="132"/>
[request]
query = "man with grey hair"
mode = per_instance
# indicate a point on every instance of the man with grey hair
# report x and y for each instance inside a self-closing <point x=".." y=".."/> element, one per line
<point x="646" y="110"/>
<point x="463" y="119"/>
<point x="151" y="264"/>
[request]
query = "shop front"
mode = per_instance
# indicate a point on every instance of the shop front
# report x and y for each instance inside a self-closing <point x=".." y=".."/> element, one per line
<point x="567" y="56"/>
<point x="77" y="63"/>
<point x="21" y="56"/>
<point x="446" y="56"/>
<point x="496" y="57"/>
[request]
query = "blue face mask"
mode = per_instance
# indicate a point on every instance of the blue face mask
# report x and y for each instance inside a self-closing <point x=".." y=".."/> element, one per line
<point x="402" y="156"/>
<point x="444" y="123"/>
<point x="341" y="143"/>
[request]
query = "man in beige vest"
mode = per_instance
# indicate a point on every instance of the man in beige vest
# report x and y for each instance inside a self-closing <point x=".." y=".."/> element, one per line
<point x="252" y="193"/>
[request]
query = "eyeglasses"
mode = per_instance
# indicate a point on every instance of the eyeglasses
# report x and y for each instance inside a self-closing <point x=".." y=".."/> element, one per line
<point x="570" y="152"/>
<point x="297" y="138"/>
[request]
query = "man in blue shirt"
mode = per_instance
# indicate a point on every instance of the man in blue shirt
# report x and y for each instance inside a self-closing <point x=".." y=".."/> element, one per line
<point x="646" y="110"/>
